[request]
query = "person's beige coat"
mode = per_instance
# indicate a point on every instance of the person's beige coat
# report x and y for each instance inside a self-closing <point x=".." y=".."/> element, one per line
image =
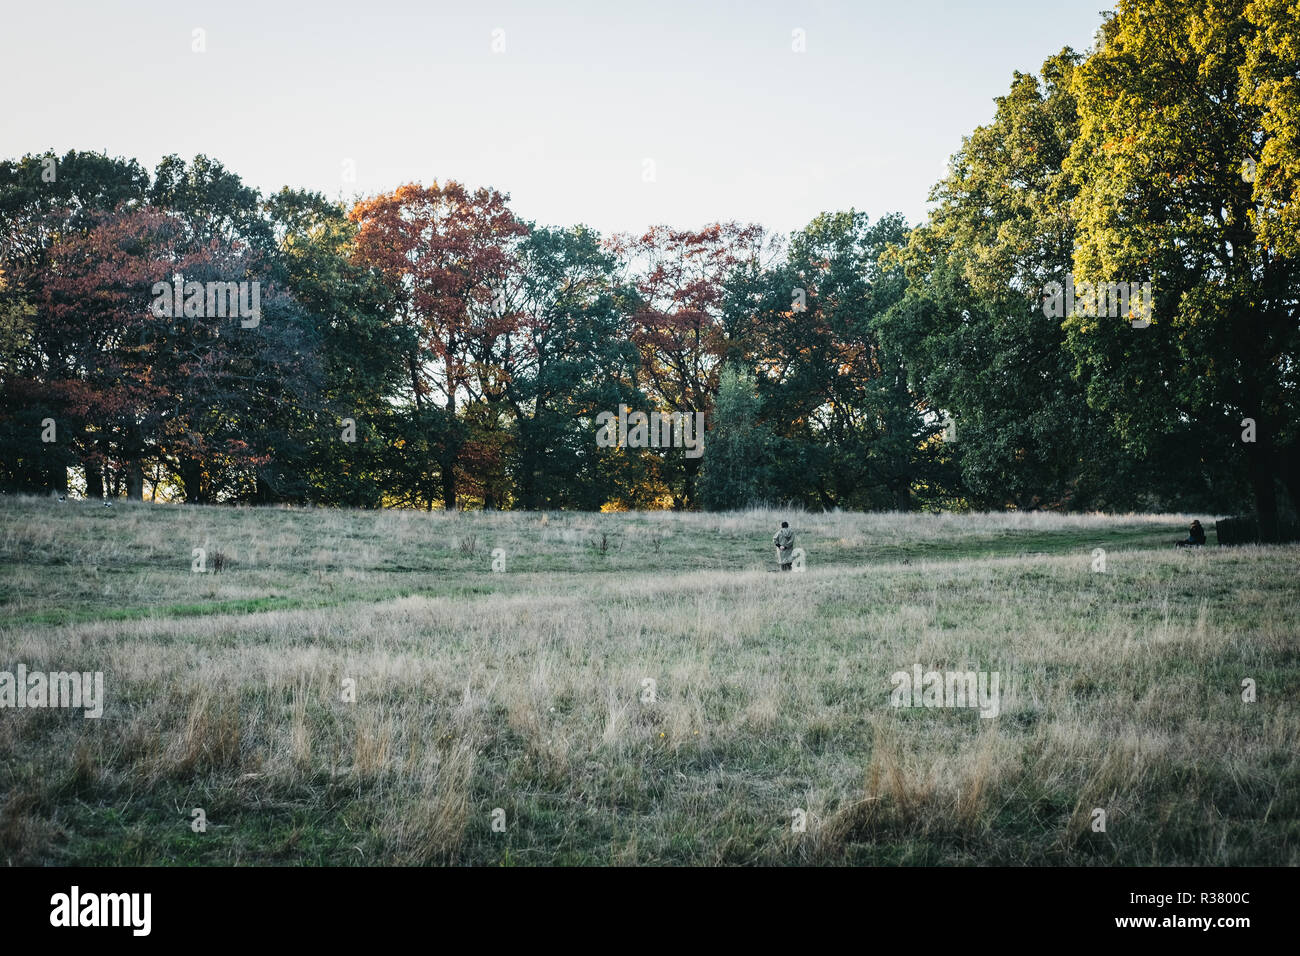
<point x="783" y="541"/>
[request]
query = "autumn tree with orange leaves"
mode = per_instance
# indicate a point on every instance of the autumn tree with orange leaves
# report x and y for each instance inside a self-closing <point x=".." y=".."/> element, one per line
<point x="445" y="252"/>
<point x="677" y="326"/>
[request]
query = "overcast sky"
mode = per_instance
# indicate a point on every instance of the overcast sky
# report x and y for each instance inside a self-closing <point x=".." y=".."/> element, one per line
<point x="567" y="118"/>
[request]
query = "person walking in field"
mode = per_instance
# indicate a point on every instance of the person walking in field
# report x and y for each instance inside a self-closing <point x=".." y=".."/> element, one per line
<point x="783" y="541"/>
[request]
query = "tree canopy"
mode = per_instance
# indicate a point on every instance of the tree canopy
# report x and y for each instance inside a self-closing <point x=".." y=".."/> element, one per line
<point x="428" y="347"/>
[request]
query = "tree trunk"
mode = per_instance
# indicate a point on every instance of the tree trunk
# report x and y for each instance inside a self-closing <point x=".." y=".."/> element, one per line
<point x="902" y="497"/>
<point x="263" y="493"/>
<point x="527" y="471"/>
<point x="94" y="481"/>
<point x="531" y="493"/>
<point x="1259" y="463"/>
<point x="448" y="486"/>
<point x="448" y="459"/>
<point x="192" y="480"/>
<point x="1290" y="466"/>
<point x="135" y="481"/>
<point x="528" y="488"/>
<point x="59" y="478"/>
<point x="690" y="470"/>
<point x="413" y="368"/>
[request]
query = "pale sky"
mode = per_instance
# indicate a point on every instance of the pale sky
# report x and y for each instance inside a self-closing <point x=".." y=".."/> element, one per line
<point x="564" y="118"/>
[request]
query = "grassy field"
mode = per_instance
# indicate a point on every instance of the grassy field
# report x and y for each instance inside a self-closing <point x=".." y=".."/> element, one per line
<point x="638" y="689"/>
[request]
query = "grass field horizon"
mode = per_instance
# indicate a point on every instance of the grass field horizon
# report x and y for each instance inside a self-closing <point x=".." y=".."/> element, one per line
<point x="638" y="688"/>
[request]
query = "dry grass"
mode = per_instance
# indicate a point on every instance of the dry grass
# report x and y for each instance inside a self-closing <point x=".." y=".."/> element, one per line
<point x="527" y="691"/>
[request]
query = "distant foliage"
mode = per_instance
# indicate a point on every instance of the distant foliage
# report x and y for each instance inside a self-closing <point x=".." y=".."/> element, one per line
<point x="735" y="470"/>
<point x="470" y="353"/>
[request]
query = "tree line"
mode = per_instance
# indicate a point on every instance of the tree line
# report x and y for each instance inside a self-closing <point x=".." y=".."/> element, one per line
<point x="427" y="347"/>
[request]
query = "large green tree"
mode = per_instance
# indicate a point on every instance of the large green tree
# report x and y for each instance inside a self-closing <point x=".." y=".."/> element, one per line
<point x="1168" y="130"/>
<point x="349" y="444"/>
<point x="567" y="359"/>
<point x="735" y="464"/>
<point x="847" y="430"/>
<point x="978" y="344"/>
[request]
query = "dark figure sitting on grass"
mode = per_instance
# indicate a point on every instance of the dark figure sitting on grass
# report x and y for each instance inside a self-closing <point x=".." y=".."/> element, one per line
<point x="1195" y="538"/>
